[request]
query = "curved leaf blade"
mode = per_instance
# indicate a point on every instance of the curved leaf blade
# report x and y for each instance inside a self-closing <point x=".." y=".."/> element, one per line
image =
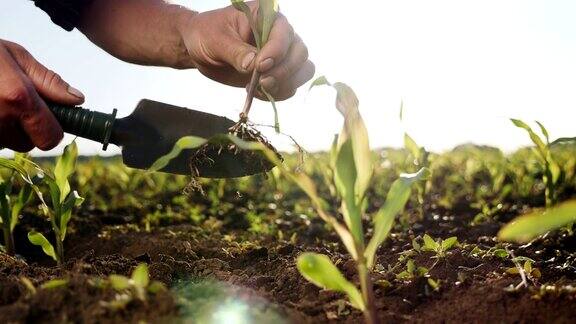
<point x="395" y="202"/>
<point x="40" y="240"/>
<point x="319" y="270"/>
<point x="527" y="227"/>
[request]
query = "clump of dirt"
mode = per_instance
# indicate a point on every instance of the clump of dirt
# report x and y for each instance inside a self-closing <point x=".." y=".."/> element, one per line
<point x="222" y="153"/>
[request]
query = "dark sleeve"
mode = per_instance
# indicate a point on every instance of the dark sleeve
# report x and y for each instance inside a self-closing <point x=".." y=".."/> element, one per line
<point x="64" y="13"/>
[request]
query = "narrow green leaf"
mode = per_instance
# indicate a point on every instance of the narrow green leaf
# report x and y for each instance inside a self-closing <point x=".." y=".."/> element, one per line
<point x="54" y="283"/>
<point x="73" y="200"/>
<point x="273" y="102"/>
<point x="65" y="165"/>
<point x="395" y="202"/>
<point x="320" y="270"/>
<point x="28" y="284"/>
<point x="243" y="7"/>
<point x="185" y="143"/>
<point x="40" y="240"/>
<point x="401" y="115"/>
<point x="355" y="129"/>
<point x="140" y="276"/>
<point x="411" y="146"/>
<point x="542" y="148"/>
<point x="267" y="10"/>
<point x="544" y="132"/>
<point x="24" y="197"/>
<point x="527" y="227"/>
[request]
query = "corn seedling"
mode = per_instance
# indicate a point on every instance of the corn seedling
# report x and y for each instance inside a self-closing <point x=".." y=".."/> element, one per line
<point x="552" y="171"/>
<point x="352" y="165"/>
<point x="63" y="201"/>
<point x="136" y="287"/>
<point x="261" y="27"/>
<point x="420" y="158"/>
<point x="10" y="208"/>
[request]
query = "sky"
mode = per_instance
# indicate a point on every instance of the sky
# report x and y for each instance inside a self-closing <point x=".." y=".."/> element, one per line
<point x="461" y="67"/>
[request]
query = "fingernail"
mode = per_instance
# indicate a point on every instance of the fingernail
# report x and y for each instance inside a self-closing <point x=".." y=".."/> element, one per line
<point x="267" y="64"/>
<point x="248" y="59"/>
<point x="75" y="92"/>
<point x="269" y="83"/>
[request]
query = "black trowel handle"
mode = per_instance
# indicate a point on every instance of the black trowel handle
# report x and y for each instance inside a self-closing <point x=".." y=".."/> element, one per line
<point x="93" y="125"/>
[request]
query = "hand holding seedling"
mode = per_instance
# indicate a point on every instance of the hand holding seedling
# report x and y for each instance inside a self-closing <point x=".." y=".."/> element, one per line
<point x="218" y="43"/>
<point x="222" y="47"/>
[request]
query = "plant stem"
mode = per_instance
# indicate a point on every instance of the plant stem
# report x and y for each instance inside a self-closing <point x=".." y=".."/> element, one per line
<point x="59" y="250"/>
<point x="367" y="292"/>
<point x="254" y="80"/>
<point x="8" y="240"/>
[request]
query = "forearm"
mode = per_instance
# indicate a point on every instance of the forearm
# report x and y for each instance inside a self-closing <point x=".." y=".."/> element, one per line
<point x="146" y="32"/>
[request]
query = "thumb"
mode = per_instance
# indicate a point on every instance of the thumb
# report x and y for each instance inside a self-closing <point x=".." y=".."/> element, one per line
<point x="48" y="84"/>
<point x="238" y="54"/>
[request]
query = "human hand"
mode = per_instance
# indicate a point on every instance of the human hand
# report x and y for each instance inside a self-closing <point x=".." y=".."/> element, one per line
<point x="25" y="120"/>
<point x="221" y="46"/>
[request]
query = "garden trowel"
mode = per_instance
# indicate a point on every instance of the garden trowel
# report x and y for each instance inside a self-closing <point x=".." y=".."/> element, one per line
<point x="151" y="131"/>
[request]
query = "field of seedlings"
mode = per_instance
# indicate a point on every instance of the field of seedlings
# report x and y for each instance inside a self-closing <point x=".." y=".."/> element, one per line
<point x="351" y="235"/>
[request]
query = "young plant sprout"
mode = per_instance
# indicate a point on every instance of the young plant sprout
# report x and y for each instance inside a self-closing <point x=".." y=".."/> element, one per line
<point x="352" y="165"/>
<point x="552" y="172"/>
<point x="10" y="208"/>
<point x="421" y="159"/>
<point x="136" y="287"/>
<point x="63" y="201"/>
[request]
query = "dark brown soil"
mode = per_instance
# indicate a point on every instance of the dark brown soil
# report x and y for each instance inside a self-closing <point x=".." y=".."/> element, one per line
<point x="205" y="267"/>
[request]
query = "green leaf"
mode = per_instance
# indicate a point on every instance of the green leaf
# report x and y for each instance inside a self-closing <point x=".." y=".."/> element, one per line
<point x="320" y="270"/>
<point x="430" y="244"/>
<point x="527" y="227"/>
<point x="156" y="287"/>
<point x="54" y="283"/>
<point x="542" y="148"/>
<point x="354" y="128"/>
<point x="501" y="253"/>
<point x="140" y="276"/>
<point x="401" y="115"/>
<point x="544" y="132"/>
<point x="273" y="102"/>
<point x="320" y="81"/>
<point x="40" y="240"/>
<point x="118" y="282"/>
<point x="243" y="7"/>
<point x="411" y="146"/>
<point x="396" y="200"/>
<point x="345" y="181"/>
<point x="185" y="143"/>
<point x="73" y="200"/>
<point x="564" y="140"/>
<point x="267" y="10"/>
<point x="449" y="243"/>
<point x="24" y="197"/>
<point x="65" y="165"/>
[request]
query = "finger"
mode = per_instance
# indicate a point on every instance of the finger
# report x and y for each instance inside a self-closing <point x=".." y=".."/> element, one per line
<point x="238" y="54"/>
<point x="296" y="58"/>
<point x="279" y="42"/>
<point x="288" y="88"/>
<point x="41" y="126"/>
<point x="13" y="137"/>
<point x="48" y="83"/>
